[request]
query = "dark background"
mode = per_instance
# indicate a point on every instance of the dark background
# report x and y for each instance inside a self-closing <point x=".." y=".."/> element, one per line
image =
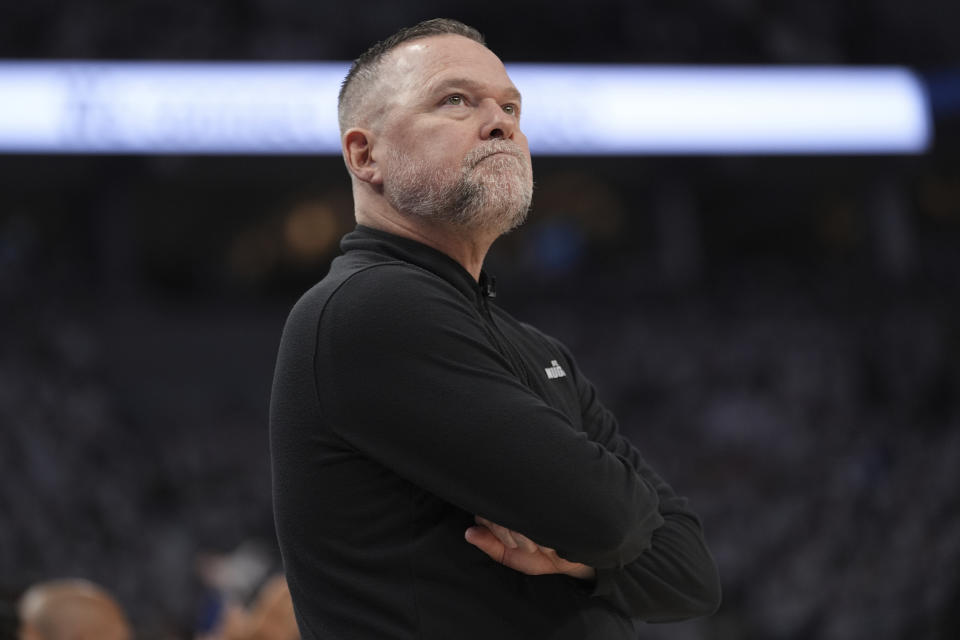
<point x="780" y="336"/>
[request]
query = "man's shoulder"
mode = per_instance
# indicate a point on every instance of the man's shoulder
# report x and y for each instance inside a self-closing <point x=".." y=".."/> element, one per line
<point x="530" y="331"/>
<point x="359" y="284"/>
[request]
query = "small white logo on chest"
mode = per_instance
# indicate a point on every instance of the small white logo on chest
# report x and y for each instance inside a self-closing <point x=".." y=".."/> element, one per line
<point x="555" y="371"/>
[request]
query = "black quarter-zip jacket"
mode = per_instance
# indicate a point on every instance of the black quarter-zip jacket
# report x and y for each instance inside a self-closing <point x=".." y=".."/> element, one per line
<point x="404" y="403"/>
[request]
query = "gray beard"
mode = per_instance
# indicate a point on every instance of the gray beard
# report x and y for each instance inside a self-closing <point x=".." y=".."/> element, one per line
<point x="492" y="193"/>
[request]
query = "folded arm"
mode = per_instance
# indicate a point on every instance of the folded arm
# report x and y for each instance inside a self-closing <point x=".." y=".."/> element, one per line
<point x="676" y="577"/>
<point x="412" y="380"/>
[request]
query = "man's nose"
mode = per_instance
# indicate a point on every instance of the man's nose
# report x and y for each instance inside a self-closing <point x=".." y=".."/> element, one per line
<point x="497" y="123"/>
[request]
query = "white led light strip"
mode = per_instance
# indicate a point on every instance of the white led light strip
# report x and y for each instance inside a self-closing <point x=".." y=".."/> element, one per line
<point x="290" y="108"/>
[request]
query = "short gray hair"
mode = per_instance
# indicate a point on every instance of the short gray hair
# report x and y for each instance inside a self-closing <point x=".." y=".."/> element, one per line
<point x="365" y="70"/>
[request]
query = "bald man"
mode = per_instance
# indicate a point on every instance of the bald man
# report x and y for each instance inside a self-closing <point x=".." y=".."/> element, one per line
<point x="71" y="609"/>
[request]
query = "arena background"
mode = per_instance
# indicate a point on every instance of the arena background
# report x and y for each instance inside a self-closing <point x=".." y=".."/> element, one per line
<point x="779" y="335"/>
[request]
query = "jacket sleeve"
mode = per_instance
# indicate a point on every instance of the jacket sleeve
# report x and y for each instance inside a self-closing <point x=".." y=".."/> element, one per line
<point x="676" y="577"/>
<point x="407" y="375"/>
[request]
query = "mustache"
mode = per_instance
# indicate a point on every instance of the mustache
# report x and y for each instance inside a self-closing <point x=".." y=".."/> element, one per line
<point x="494" y="146"/>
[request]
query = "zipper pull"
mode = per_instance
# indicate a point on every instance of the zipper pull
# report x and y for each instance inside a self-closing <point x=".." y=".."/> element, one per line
<point x="488" y="285"/>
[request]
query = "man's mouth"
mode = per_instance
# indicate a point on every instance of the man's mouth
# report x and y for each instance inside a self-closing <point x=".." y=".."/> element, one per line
<point x="497" y="152"/>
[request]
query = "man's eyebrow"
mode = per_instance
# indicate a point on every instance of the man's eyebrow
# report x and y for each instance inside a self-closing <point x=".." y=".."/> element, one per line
<point x="511" y="92"/>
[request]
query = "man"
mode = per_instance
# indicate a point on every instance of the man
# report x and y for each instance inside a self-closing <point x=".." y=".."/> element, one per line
<point x="442" y="471"/>
<point x="71" y="609"/>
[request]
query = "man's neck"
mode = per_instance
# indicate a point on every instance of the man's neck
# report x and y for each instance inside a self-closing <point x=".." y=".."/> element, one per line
<point x="467" y="247"/>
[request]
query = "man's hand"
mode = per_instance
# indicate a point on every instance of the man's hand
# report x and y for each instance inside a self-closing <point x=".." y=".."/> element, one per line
<point x="515" y="550"/>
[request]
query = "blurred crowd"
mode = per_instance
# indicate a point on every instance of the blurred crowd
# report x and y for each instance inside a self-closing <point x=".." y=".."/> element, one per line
<point x="77" y="609"/>
<point x="718" y="31"/>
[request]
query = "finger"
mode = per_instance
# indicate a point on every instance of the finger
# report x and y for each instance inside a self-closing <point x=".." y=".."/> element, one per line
<point x="504" y="534"/>
<point x="507" y="536"/>
<point x="482" y="538"/>
<point x="546" y="550"/>
<point x="525" y="543"/>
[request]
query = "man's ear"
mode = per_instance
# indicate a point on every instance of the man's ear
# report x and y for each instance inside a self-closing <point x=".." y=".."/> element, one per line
<point x="359" y="157"/>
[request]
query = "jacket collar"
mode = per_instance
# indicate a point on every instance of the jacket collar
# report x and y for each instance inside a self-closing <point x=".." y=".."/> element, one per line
<point x="365" y="238"/>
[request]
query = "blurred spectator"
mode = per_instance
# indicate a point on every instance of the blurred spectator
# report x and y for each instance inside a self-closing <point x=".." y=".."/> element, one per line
<point x="269" y="617"/>
<point x="71" y="609"/>
<point x="245" y="598"/>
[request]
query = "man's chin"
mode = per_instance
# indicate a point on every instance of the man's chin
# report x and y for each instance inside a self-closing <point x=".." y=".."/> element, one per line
<point x="499" y="221"/>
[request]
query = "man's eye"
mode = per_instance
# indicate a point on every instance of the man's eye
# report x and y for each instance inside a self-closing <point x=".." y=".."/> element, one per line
<point x="455" y="99"/>
<point x="511" y="109"/>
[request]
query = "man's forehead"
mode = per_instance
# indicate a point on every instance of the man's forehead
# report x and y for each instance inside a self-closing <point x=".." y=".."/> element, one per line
<point x="437" y="60"/>
<point x="439" y="46"/>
